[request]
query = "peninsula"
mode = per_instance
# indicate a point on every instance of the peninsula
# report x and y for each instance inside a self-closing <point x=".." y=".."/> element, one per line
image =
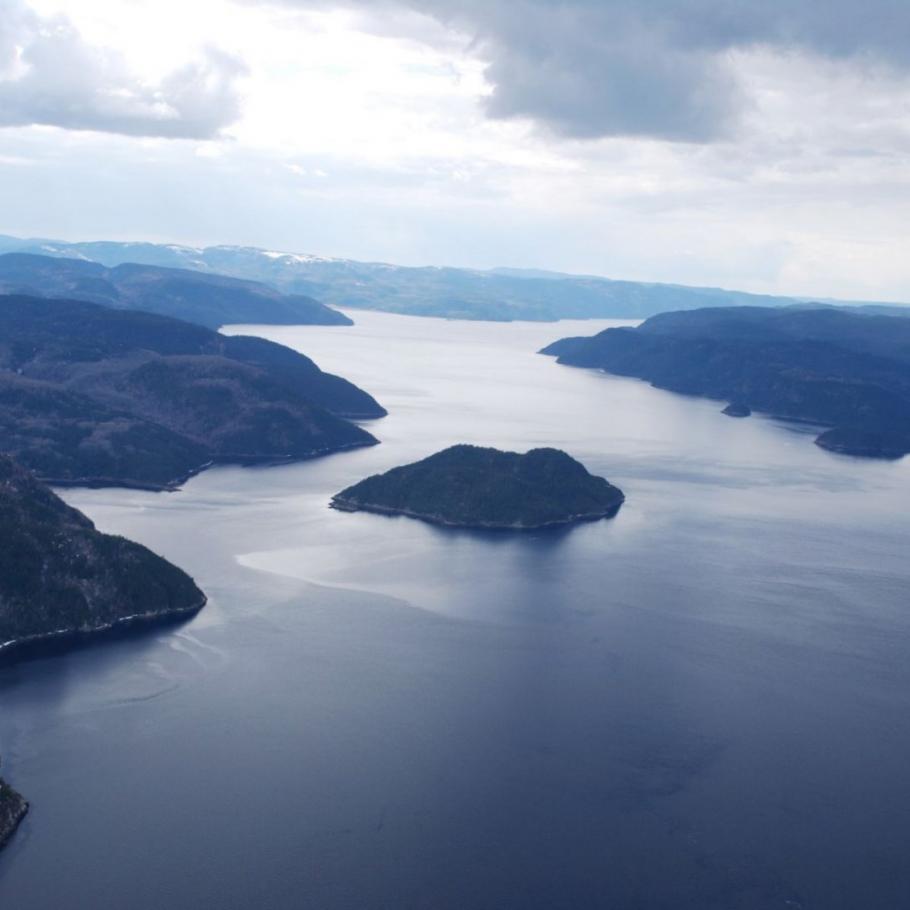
<point x="468" y="486"/>
<point x="61" y="578"/>
<point x="845" y="370"/>
<point x="95" y="396"/>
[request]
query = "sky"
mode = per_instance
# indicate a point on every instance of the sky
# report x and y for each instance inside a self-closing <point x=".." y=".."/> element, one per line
<point x="755" y="144"/>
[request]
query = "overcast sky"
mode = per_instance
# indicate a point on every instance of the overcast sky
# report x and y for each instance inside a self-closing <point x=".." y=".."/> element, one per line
<point x="757" y="144"/>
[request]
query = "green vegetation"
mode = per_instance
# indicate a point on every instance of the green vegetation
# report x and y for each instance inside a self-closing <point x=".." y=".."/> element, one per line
<point x="93" y="395"/>
<point x="60" y="576"/>
<point x="469" y="486"/>
<point x="12" y="810"/>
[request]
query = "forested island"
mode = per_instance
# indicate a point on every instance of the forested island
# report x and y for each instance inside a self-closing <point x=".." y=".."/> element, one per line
<point x="469" y="486"/>
<point x="91" y="395"/>
<point x="842" y="369"/>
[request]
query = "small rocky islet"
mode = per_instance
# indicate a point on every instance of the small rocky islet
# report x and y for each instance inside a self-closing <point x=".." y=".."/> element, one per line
<point x="468" y="486"/>
<point x="737" y="409"/>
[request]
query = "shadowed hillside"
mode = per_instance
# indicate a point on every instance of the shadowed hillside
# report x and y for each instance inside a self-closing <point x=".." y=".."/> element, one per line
<point x="210" y="300"/>
<point x="93" y="395"/>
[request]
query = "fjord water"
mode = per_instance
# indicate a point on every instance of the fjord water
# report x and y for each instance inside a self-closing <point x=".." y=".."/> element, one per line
<point x="703" y="703"/>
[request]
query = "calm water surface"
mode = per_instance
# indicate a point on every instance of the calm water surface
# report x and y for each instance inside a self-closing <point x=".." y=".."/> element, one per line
<point x="703" y="703"/>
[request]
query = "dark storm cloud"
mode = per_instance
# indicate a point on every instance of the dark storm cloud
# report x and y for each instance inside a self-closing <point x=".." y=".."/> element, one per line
<point x="655" y="68"/>
<point x="49" y="75"/>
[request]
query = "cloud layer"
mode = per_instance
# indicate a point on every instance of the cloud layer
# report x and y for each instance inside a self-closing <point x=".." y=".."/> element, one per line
<point x="50" y="76"/>
<point x="661" y="69"/>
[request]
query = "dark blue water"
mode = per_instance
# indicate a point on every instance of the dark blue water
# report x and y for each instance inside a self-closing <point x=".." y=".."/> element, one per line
<point x="700" y="704"/>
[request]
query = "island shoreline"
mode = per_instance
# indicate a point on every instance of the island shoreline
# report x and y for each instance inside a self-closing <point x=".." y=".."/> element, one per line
<point x="345" y="505"/>
<point x="13" y="809"/>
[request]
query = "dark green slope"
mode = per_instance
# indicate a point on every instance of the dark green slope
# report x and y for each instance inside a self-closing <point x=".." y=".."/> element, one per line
<point x="237" y="410"/>
<point x="67" y="437"/>
<point x="474" y="487"/>
<point x="93" y="395"/>
<point x="52" y="338"/>
<point x="59" y="576"/>
<point x="335" y="394"/>
<point x="13" y="809"/>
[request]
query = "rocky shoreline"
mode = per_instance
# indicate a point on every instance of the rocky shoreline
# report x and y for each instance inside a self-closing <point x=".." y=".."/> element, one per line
<point x="13" y="808"/>
<point x="862" y="444"/>
<point x="171" y="486"/>
<point x="98" y="631"/>
<point x="343" y="505"/>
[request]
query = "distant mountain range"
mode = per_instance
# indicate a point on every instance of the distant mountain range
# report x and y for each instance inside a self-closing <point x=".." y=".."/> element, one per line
<point x="91" y="395"/>
<point x="500" y="294"/>
<point x="838" y="368"/>
<point x="210" y="300"/>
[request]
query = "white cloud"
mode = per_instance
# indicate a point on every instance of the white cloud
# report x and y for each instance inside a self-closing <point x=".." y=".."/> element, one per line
<point x="51" y="76"/>
<point x="659" y="69"/>
<point x="364" y="134"/>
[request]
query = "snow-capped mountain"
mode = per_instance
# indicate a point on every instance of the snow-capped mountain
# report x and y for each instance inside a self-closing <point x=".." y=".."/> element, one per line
<point x="499" y="294"/>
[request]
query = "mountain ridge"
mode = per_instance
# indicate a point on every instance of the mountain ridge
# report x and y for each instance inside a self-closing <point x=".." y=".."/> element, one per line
<point x="499" y="294"/>
<point x="206" y="298"/>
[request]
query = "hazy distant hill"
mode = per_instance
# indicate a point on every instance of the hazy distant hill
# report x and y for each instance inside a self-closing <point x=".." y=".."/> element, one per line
<point x="839" y="368"/>
<point x="210" y="300"/>
<point x="94" y="395"/>
<point x="500" y="294"/>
